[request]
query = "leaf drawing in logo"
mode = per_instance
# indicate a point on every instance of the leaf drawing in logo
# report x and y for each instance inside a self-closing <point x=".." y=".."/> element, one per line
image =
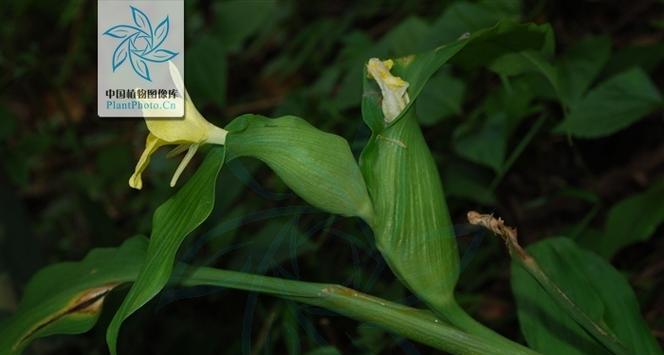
<point x="140" y="43"/>
<point x="120" y="54"/>
<point x="140" y="67"/>
<point x="160" y="55"/>
<point x="121" y="31"/>
<point x="161" y="32"/>
<point x="141" y="20"/>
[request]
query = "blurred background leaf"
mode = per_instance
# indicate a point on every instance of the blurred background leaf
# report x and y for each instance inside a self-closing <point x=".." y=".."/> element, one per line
<point x="629" y="221"/>
<point x="67" y="298"/>
<point x="207" y="86"/>
<point x="613" y="105"/>
<point x="594" y="285"/>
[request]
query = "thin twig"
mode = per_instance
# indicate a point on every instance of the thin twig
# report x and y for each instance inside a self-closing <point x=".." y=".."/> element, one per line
<point x="509" y="235"/>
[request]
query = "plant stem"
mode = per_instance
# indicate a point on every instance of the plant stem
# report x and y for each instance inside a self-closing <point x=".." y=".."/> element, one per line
<point x="603" y="335"/>
<point x="458" y="317"/>
<point x="416" y="324"/>
<point x="518" y="150"/>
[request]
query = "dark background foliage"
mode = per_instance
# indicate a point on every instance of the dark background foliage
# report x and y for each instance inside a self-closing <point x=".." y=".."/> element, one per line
<point x="63" y="178"/>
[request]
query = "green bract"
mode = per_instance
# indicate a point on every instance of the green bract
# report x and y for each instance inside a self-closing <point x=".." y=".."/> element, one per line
<point x="413" y="228"/>
<point x="318" y="166"/>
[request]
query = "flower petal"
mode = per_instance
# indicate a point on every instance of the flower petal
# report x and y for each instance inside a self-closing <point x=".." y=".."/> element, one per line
<point x="393" y="88"/>
<point x="183" y="164"/>
<point x="152" y="143"/>
<point x="193" y="128"/>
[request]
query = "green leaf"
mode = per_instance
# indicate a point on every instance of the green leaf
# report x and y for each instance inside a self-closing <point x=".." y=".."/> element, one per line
<point x="67" y="298"/>
<point x="518" y="150"/>
<point x="580" y="65"/>
<point x="172" y="222"/>
<point x="441" y="98"/>
<point x="526" y="62"/>
<point x="475" y="50"/>
<point x="405" y="38"/>
<point x="468" y="17"/>
<point x="306" y="47"/>
<point x="646" y="56"/>
<point x="206" y="71"/>
<point x="504" y="9"/>
<point x="505" y="37"/>
<point x="469" y="182"/>
<point x="594" y="285"/>
<point x="237" y="20"/>
<point x="276" y="243"/>
<point x="484" y="143"/>
<point x="629" y="221"/>
<point x="318" y="166"/>
<point x="613" y="105"/>
<point x="483" y="138"/>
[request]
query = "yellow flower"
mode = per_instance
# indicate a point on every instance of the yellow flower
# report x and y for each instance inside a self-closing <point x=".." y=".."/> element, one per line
<point x="187" y="133"/>
<point x="393" y="88"/>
